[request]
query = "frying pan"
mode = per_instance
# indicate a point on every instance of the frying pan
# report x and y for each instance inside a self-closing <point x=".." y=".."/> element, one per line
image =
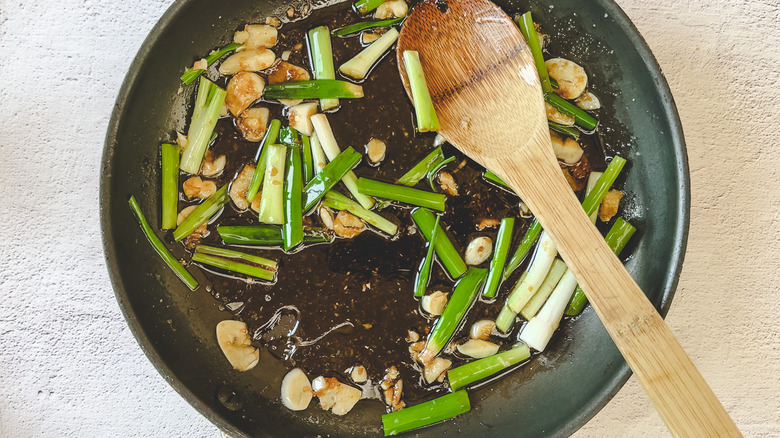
<point x="552" y="395"/>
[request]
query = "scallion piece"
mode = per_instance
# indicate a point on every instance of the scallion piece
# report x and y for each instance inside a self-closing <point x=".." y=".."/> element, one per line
<point x="525" y="289"/>
<point x="593" y="199"/>
<point x="306" y="157"/>
<point x="288" y="136"/>
<point x="565" y="130"/>
<point x="438" y="409"/>
<point x="421" y="97"/>
<point x="159" y="246"/>
<point x="272" y="197"/>
<point x="264" y="235"/>
<point x="480" y="369"/>
<point x="190" y="74"/>
<point x="331" y="174"/>
<point x="536" y="302"/>
<point x="229" y="253"/>
<point x="421" y="169"/>
<point x="366" y="6"/>
<point x="424" y="273"/>
<point x="523" y="249"/>
<point x="526" y="24"/>
<point x="328" y="142"/>
<point x="338" y="201"/>
<point x="539" y="330"/>
<point x="319" y="160"/>
<point x="359" y="66"/>
<point x="169" y="154"/>
<point x="321" y="53"/>
<point x="229" y="265"/>
<point x="208" y="105"/>
<point x="466" y="290"/>
<point x="496" y="268"/>
<point x="492" y="177"/>
<point x="446" y="252"/>
<point x="293" y="215"/>
<point x="202" y="213"/>
<point x="271" y="135"/>
<point x="314" y="89"/>
<point x="395" y="192"/>
<point x="617" y="238"/>
<point x="363" y="25"/>
<point x="581" y="118"/>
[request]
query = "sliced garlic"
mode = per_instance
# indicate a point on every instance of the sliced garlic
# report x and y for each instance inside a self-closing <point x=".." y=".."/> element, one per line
<point x="326" y="215"/>
<point x="184" y="213"/>
<point x="243" y="89"/>
<point x="482" y="329"/>
<point x="477" y="348"/>
<point x="434" y="303"/>
<point x="240" y="186"/>
<point x="358" y="374"/>
<point x="299" y="117"/>
<point x="479" y="250"/>
<point x="252" y="123"/>
<point x="391" y="9"/>
<point x="588" y="101"/>
<point x="375" y="151"/>
<point x="296" y="390"/>
<point x="571" y="77"/>
<point x="567" y="150"/>
<point x="195" y="187"/>
<point x="233" y="338"/>
<point x="335" y="395"/>
<point x="436" y="368"/>
<point x="346" y="398"/>
<point x="256" y="36"/>
<point x="247" y="60"/>
<point x="556" y="116"/>
<point x="211" y="167"/>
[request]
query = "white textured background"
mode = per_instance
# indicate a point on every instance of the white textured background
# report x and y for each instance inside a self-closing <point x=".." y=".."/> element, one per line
<point x="70" y="367"/>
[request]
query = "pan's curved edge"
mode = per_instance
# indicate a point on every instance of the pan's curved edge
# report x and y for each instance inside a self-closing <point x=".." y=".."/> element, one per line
<point x="147" y="346"/>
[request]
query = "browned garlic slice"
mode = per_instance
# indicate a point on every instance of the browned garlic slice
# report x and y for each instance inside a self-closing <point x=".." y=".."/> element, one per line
<point x="479" y="250"/>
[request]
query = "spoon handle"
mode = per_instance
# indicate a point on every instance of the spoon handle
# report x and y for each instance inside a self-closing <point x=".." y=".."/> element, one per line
<point x="680" y="395"/>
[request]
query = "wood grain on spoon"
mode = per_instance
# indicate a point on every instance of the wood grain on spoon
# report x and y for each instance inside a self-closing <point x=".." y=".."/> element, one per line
<point x="486" y="93"/>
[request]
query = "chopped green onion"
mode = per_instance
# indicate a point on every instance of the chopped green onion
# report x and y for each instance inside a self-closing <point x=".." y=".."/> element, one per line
<point x="466" y="290"/>
<point x="159" y="246"/>
<point x="400" y="193"/>
<point x="617" y="238"/>
<point x="496" y="268"/>
<point x="293" y="215"/>
<point x="265" y="235"/>
<point x="208" y="105"/>
<point x="580" y="117"/>
<point x="438" y="409"/>
<point x="288" y="136"/>
<point x="308" y="161"/>
<point x="490" y="176"/>
<point x="536" y="302"/>
<point x="436" y="170"/>
<point x="565" y="130"/>
<point x="366" y="6"/>
<point x="331" y="174"/>
<point x="315" y="89"/>
<point x="525" y="247"/>
<point x="424" y="273"/>
<point x="328" y="142"/>
<point x="479" y="369"/>
<point x="338" y="201"/>
<point x="359" y="66"/>
<point x="229" y="265"/>
<point x="421" y="97"/>
<point x="421" y="169"/>
<point x="321" y="53"/>
<point x="201" y="214"/>
<point x="170" y="184"/>
<point x="190" y="74"/>
<point x="317" y="154"/>
<point x="229" y="253"/>
<point x="593" y="199"/>
<point x="527" y="28"/>
<point x="272" y="198"/>
<point x="363" y="25"/>
<point x="446" y="252"/>
<point x="271" y="135"/>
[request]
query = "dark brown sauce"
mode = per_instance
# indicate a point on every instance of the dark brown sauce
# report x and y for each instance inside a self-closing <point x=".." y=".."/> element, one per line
<point x="363" y="285"/>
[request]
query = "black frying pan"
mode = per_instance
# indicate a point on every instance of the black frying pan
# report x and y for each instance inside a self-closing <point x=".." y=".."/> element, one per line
<point x="553" y="395"/>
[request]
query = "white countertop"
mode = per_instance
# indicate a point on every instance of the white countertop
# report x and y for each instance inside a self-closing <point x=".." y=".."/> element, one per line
<point x="69" y="366"/>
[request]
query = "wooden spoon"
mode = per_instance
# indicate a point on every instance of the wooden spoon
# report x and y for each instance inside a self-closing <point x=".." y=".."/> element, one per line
<point x="486" y="92"/>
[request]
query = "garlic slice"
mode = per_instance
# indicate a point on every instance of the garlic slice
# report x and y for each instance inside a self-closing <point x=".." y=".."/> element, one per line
<point x="236" y="345"/>
<point x="296" y="390"/>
